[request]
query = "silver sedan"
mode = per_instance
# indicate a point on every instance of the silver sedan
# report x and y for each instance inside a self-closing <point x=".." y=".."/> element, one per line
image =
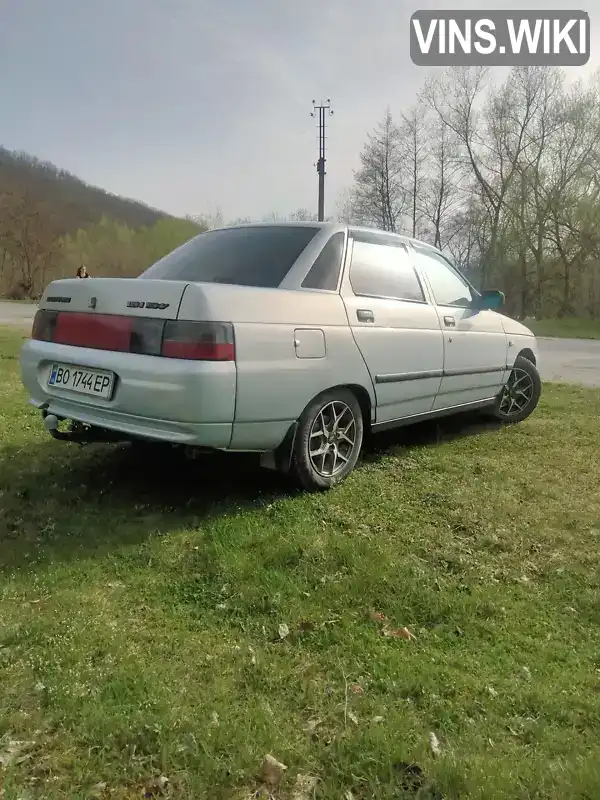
<point x="285" y="339"/>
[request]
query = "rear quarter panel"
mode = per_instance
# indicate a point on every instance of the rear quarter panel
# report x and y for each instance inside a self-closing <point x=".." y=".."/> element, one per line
<point x="274" y="384"/>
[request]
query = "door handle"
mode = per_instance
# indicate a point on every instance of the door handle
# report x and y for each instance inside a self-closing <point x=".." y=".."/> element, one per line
<point x="365" y="315"/>
<point x="449" y="322"/>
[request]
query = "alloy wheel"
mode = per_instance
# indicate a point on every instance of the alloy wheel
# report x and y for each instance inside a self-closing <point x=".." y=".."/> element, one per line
<point x="517" y="393"/>
<point x="332" y="438"/>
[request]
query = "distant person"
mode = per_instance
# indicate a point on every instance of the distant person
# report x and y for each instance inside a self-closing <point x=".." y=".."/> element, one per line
<point x="82" y="272"/>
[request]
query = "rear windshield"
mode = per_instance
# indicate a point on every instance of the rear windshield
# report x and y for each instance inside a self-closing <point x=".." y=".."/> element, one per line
<point x="260" y="256"/>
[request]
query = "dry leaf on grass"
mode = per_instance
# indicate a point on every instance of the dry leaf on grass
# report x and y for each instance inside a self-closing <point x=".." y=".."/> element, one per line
<point x="355" y="688"/>
<point x="271" y="772"/>
<point x="386" y="630"/>
<point x="434" y="745"/>
<point x="14" y="752"/>
<point x="304" y="787"/>
<point x="158" y="787"/>
<point x="284" y="631"/>
<point x="398" y="633"/>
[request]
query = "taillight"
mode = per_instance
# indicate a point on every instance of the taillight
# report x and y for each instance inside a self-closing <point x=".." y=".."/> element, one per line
<point x="146" y="336"/>
<point x="98" y="331"/>
<point x="198" y="341"/>
<point x="44" y="324"/>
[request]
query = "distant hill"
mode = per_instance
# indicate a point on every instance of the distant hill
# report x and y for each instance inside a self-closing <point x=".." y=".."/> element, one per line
<point x="70" y="202"/>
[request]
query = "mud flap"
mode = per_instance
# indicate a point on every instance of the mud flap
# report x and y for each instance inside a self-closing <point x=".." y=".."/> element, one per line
<point x="280" y="459"/>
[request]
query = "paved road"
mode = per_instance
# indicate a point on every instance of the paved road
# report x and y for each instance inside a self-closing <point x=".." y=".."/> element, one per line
<point x="569" y="360"/>
<point x="16" y="313"/>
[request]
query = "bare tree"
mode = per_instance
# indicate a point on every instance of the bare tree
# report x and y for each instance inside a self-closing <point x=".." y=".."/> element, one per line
<point x="493" y="129"/>
<point x="379" y="193"/>
<point x="575" y="185"/>
<point x="210" y="220"/>
<point x="441" y="193"/>
<point x="413" y="152"/>
<point x="302" y="215"/>
<point x="29" y="242"/>
<point x="526" y="200"/>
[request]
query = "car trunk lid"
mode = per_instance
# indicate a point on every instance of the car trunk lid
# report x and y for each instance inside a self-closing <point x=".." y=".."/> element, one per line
<point x="129" y="316"/>
<point x="121" y="296"/>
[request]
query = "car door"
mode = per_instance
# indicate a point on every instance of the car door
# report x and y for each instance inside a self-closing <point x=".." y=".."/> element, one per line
<point x="475" y="344"/>
<point x="395" y="327"/>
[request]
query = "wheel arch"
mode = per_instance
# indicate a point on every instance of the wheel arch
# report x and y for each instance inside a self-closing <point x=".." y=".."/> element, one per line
<point x="364" y="400"/>
<point x="527" y="353"/>
<point x="283" y="451"/>
<point x="361" y="394"/>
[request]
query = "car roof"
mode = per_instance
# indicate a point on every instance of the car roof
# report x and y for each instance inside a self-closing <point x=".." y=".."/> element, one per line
<point x="294" y="224"/>
<point x="402" y="237"/>
<point x="334" y="226"/>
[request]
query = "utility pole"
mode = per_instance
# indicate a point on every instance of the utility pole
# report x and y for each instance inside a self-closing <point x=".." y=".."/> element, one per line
<point x="322" y="110"/>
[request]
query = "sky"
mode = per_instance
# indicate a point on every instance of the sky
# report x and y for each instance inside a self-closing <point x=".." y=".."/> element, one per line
<point x="197" y="105"/>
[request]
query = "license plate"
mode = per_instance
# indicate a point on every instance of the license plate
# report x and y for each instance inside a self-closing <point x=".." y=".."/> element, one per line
<point x="94" y="382"/>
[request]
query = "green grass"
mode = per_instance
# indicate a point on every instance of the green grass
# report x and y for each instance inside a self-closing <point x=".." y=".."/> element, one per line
<point x="570" y="328"/>
<point x="140" y="607"/>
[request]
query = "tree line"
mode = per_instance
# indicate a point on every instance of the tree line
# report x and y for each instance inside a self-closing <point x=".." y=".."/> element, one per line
<point x="70" y="202"/>
<point x="503" y="177"/>
<point x="51" y="222"/>
<point x="33" y="252"/>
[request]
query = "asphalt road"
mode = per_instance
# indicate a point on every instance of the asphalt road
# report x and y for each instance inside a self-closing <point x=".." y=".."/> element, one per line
<point x="567" y="360"/>
<point x="570" y="361"/>
<point x="16" y="313"/>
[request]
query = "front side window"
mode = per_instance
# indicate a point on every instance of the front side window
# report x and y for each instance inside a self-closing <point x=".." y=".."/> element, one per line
<point x="448" y="287"/>
<point x="325" y="271"/>
<point x="253" y="256"/>
<point x="384" y="270"/>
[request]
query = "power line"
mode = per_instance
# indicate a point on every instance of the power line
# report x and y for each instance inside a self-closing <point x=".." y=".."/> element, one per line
<point x="323" y="111"/>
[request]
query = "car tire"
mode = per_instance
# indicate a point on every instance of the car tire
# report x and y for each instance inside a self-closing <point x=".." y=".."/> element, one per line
<point x="328" y="440"/>
<point x="521" y="393"/>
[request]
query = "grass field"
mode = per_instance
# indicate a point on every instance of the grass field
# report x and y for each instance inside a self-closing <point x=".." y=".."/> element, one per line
<point x="570" y="328"/>
<point x="165" y="625"/>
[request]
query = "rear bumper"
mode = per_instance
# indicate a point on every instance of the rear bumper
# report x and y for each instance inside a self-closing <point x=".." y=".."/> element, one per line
<point x="217" y="435"/>
<point x="186" y="402"/>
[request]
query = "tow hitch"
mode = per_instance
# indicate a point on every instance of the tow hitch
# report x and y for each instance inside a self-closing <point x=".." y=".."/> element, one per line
<point x="78" y="432"/>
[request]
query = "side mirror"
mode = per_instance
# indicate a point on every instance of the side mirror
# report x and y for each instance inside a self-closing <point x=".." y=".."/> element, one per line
<point x="490" y="300"/>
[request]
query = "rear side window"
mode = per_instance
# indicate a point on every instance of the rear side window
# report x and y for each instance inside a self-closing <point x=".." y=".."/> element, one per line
<point x="325" y="272"/>
<point x="254" y="256"/>
<point x="384" y="270"/>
